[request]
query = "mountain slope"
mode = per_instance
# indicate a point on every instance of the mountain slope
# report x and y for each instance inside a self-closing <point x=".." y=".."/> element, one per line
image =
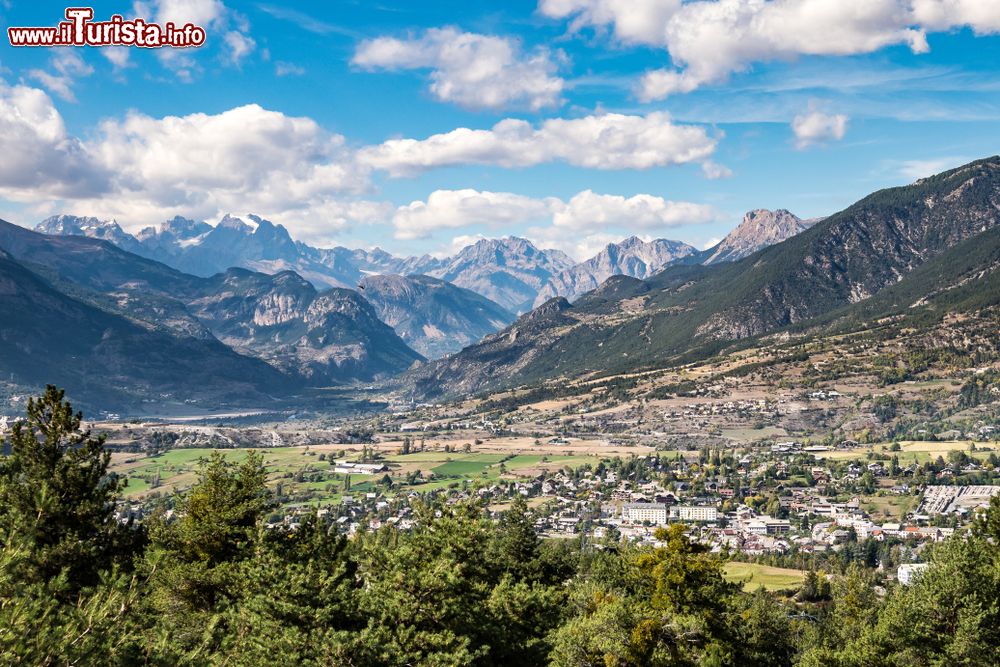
<point x="433" y="316"/>
<point x="105" y="360"/>
<point x="759" y="229"/>
<point x="317" y="337"/>
<point x="631" y="257"/>
<point x="687" y="309"/>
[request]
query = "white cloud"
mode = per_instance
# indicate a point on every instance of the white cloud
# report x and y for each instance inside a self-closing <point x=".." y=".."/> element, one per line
<point x="40" y="158"/>
<point x="118" y="56"/>
<point x="608" y="141"/>
<point x="817" y="127"/>
<point x="709" y="39"/>
<point x="983" y="16"/>
<point x="214" y="16"/>
<point x="142" y="170"/>
<point x="288" y="69"/>
<point x="711" y="243"/>
<point x="660" y="83"/>
<point x="454" y="209"/>
<point x="714" y="171"/>
<point x="634" y="21"/>
<point x="237" y="47"/>
<point x="914" y="169"/>
<point x="69" y="68"/>
<point x="243" y="158"/>
<point x="588" y="211"/>
<point x="202" y="13"/>
<point x="584" y="219"/>
<point x="472" y="70"/>
<point x="580" y="247"/>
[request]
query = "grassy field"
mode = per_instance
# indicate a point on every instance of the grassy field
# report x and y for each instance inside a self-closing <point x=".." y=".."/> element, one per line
<point x="307" y="478"/>
<point x="912" y="451"/>
<point x="771" y="578"/>
<point x="892" y="508"/>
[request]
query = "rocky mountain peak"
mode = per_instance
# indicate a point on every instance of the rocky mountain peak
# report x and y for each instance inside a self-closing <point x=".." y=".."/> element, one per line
<point x="759" y="228"/>
<point x="631" y="257"/>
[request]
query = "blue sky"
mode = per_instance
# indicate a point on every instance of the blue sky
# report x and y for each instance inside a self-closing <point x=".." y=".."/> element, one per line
<point x="420" y="126"/>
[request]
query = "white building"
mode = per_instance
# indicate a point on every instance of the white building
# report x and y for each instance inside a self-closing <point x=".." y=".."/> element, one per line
<point x="694" y="513"/>
<point x="654" y="513"/>
<point x="765" y="525"/>
<point x="907" y="574"/>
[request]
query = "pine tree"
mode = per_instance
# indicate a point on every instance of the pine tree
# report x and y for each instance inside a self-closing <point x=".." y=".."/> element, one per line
<point x="57" y="500"/>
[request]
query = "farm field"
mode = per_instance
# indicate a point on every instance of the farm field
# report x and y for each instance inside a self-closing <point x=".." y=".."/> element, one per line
<point x="307" y="475"/>
<point x="911" y="451"/>
<point x="771" y="578"/>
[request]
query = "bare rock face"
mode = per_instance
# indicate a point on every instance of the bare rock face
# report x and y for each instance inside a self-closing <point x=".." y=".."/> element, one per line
<point x="760" y="228"/>
<point x="433" y="316"/>
<point x="321" y="337"/>
<point x="632" y="257"/>
<point x="509" y="271"/>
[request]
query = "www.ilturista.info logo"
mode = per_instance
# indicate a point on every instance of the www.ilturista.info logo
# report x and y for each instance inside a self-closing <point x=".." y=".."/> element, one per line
<point x="80" y="30"/>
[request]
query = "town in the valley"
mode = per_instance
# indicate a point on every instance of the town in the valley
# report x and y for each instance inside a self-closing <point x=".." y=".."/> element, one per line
<point x="785" y="475"/>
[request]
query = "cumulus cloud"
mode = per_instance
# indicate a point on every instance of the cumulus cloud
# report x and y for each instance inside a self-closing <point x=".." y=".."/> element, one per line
<point x="200" y="12"/>
<point x="708" y="40"/>
<point x="472" y="70"/>
<point x="247" y="157"/>
<point x="815" y="127"/>
<point x="588" y="211"/>
<point x="68" y="67"/>
<point x="634" y="21"/>
<point x="453" y="209"/>
<point x="214" y="16"/>
<point x="39" y="156"/>
<point x="142" y="169"/>
<point x="608" y="141"/>
<point x="586" y="214"/>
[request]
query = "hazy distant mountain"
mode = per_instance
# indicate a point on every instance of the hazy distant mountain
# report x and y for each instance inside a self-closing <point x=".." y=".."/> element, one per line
<point x="631" y="257"/>
<point x="759" y="228"/>
<point x="433" y="316"/>
<point x="687" y="309"/>
<point x="509" y="271"/>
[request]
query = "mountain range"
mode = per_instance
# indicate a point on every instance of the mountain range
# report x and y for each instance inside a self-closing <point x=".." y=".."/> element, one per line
<point x="271" y="316"/>
<point x="512" y="272"/>
<point x="694" y="310"/>
<point x="254" y="322"/>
